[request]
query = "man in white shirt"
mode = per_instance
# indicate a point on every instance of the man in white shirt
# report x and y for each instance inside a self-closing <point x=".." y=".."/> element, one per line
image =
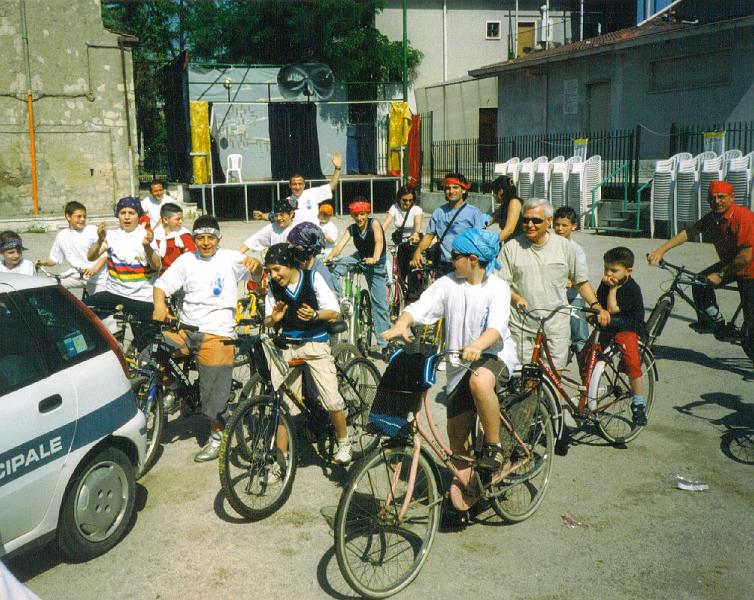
<point x="309" y="199"/>
<point x="152" y="204"/>
<point x="475" y="307"/>
<point x="538" y="266"/>
<point x="209" y="277"/>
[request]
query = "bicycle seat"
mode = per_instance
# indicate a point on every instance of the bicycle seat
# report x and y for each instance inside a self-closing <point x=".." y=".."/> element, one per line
<point x="336" y="327"/>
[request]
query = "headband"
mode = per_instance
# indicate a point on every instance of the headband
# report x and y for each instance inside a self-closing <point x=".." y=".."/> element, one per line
<point x="359" y="207"/>
<point x="207" y="230"/>
<point x="720" y="187"/>
<point x="13" y="244"/>
<point x="455" y="181"/>
<point x="129" y="202"/>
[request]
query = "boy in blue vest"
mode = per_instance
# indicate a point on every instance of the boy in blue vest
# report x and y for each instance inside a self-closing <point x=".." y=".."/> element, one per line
<point x="301" y="303"/>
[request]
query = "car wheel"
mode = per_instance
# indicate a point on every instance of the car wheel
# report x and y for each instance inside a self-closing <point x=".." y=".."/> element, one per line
<point x="98" y="505"/>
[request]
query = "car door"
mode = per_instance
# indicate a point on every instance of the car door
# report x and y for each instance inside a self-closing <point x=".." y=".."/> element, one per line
<point x="38" y="410"/>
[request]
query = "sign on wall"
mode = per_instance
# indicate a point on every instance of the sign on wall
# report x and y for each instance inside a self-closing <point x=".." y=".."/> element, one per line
<point x="571" y="97"/>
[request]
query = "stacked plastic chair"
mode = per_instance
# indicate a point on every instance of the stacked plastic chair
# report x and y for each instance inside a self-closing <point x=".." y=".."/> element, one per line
<point x="582" y="178"/>
<point x="686" y="193"/>
<point x="663" y="190"/>
<point x="559" y="181"/>
<point x="739" y="175"/>
<point x="727" y="156"/>
<point x="525" y="178"/>
<point x="542" y="177"/>
<point x="509" y="168"/>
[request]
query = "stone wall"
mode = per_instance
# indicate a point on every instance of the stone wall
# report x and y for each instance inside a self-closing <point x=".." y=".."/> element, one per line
<point x="72" y="65"/>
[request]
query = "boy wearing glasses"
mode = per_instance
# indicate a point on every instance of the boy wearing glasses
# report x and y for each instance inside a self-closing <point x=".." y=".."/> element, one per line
<point x="475" y="305"/>
<point x="731" y="228"/>
<point x="538" y="266"/>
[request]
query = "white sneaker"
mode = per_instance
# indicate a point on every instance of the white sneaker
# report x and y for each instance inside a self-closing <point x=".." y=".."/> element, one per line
<point x="344" y="455"/>
<point x="274" y="474"/>
<point x="441" y="365"/>
<point x="211" y="448"/>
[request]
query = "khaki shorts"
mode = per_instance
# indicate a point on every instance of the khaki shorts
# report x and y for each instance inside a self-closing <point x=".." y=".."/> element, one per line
<point x="322" y="369"/>
<point x="525" y="346"/>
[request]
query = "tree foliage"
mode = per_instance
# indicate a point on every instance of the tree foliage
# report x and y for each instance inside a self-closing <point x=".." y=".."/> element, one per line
<point x="339" y="33"/>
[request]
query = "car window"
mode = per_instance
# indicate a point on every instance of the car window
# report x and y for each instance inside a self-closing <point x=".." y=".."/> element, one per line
<point x="20" y="360"/>
<point x="69" y="334"/>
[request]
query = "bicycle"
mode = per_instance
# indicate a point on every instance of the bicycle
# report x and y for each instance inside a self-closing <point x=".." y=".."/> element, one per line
<point x="604" y="397"/>
<point x="390" y="509"/>
<point x="72" y="273"/>
<point x="255" y="477"/>
<point x="356" y="307"/>
<point x="682" y="277"/>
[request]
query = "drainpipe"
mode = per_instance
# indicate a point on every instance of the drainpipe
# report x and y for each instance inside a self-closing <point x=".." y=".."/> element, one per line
<point x="123" y="43"/>
<point x="30" y="109"/>
<point x="444" y="40"/>
<point x="581" y="22"/>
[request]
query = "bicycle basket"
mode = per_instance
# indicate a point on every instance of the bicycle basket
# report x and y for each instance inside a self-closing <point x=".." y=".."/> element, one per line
<point x="400" y="390"/>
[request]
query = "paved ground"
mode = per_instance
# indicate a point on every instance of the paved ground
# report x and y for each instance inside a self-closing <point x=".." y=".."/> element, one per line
<point x="640" y="537"/>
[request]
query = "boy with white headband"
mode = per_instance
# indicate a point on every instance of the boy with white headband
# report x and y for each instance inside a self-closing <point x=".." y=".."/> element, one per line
<point x="475" y="305"/>
<point x="209" y="277"/>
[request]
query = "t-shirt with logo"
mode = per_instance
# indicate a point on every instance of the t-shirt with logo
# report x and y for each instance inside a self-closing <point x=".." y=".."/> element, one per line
<point x="129" y="273"/>
<point x="211" y="287"/>
<point x="308" y="204"/>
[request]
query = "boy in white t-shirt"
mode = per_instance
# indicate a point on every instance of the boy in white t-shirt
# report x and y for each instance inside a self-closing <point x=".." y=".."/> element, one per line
<point x="475" y="307"/>
<point x="329" y="229"/>
<point x="209" y="278"/>
<point x="12" y="251"/>
<point x="152" y="204"/>
<point x="276" y="232"/>
<point x="72" y="245"/>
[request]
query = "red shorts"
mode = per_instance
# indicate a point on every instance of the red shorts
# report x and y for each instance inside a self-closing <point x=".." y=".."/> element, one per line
<point x="628" y="343"/>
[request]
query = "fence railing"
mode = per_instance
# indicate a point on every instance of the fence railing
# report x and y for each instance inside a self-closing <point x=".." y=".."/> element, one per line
<point x="690" y="138"/>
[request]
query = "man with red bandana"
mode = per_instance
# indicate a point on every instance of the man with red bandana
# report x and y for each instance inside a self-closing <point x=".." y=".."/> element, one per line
<point x="731" y="228"/>
<point x="449" y="220"/>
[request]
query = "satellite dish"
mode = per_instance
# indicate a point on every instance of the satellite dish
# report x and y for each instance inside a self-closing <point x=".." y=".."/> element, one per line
<point x="308" y="79"/>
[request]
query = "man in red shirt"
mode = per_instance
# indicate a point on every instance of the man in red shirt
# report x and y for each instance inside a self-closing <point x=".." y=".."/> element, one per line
<point x="731" y="228"/>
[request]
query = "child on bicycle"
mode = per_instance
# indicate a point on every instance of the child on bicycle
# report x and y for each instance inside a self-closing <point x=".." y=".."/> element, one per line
<point x="300" y="303"/>
<point x="171" y="237"/>
<point x="72" y="245"/>
<point x="328" y="227"/>
<point x="369" y="239"/>
<point x="283" y="211"/>
<point x="209" y="277"/>
<point x="12" y="250"/>
<point x="565" y="221"/>
<point x="621" y="296"/>
<point x="475" y="305"/>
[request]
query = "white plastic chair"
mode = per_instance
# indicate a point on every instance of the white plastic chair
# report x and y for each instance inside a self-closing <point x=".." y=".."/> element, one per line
<point x="234" y="166"/>
<point x="525" y="178"/>
<point x="661" y="198"/>
<point x="739" y="174"/>
<point x="686" y="197"/>
<point x="559" y="181"/>
<point x="542" y="173"/>
<point x="727" y="156"/>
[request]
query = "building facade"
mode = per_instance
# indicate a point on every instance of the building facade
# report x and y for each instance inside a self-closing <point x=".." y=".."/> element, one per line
<point x="80" y="79"/>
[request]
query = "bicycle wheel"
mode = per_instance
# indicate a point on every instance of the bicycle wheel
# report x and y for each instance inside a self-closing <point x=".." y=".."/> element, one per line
<point x="256" y="483"/>
<point x="379" y="552"/>
<point x="747" y="339"/>
<point x="149" y="401"/>
<point x="241" y="372"/>
<point x="365" y="319"/>
<point x="659" y="316"/>
<point x="357" y="383"/>
<point x="343" y="353"/>
<point x="519" y="495"/>
<point x="396" y="300"/>
<point x="614" y="419"/>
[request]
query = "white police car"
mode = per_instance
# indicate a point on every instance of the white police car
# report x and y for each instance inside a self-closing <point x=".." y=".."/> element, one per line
<point x="71" y="438"/>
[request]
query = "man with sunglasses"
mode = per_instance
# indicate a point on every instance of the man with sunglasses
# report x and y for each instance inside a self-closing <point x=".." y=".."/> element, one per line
<point x="731" y="229"/>
<point x="538" y="264"/>
<point x="448" y="220"/>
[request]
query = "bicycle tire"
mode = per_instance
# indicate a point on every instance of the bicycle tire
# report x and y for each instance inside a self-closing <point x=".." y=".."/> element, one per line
<point x="747" y="339"/>
<point x="156" y="418"/>
<point x="519" y="495"/>
<point x="369" y="539"/>
<point x="252" y="388"/>
<point x="358" y="385"/>
<point x="343" y="353"/>
<point x="246" y="480"/>
<point x="658" y="318"/>
<point x="364" y="341"/>
<point x="614" y="419"/>
<point x="396" y="300"/>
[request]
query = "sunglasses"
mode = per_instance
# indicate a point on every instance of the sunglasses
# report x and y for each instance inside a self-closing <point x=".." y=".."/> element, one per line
<point x="535" y="220"/>
<point x="456" y="255"/>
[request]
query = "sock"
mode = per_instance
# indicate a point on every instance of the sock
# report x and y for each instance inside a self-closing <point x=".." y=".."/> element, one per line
<point x="638" y="399"/>
<point x="343" y="442"/>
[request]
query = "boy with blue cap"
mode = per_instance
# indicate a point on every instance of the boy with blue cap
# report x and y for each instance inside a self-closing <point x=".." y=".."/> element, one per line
<point x="475" y="305"/>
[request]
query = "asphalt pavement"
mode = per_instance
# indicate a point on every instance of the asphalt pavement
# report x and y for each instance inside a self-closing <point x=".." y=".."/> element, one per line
<point x="638" y="536"/>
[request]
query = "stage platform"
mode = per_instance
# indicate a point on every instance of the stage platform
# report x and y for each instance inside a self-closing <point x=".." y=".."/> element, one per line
<point x="278" y="189"/>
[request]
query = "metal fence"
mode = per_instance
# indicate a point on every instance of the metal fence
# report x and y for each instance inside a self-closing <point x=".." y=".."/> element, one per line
<point x="690" y="138"/>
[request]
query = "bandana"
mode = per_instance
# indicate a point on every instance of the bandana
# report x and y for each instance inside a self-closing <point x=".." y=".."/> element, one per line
<point x="359" y="207"/>
<point x="720" y="187"/>
<point x="325" y="209"/>
<point x="455" y="181"/>
<point x="129" y="202"/>
<point x="483" y="244"/>
<point x="11" y="245"/>
<point x="207" y="230"/>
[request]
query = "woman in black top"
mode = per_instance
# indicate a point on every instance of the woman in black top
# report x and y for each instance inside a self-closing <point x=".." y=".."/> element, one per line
<point x="369" y="239"/>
